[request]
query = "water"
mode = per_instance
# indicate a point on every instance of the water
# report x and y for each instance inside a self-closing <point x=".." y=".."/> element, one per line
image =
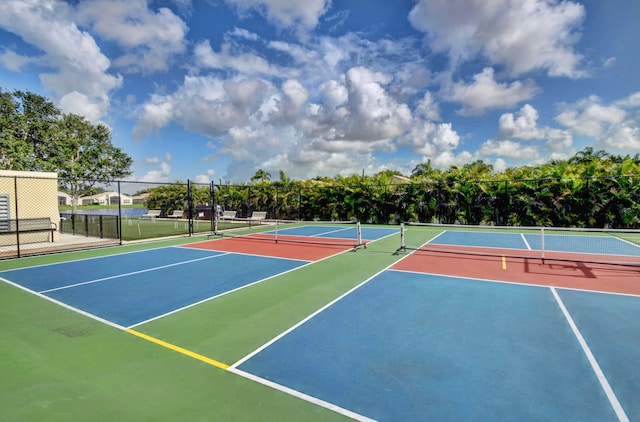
<point x="126" y="212"/>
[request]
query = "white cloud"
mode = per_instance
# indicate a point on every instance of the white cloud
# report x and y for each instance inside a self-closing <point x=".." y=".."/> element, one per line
<point x="485" y="93"/>
<point x="159" y="174"/>
<point x="205" y="178"/>
<point x="589" y="117"/>
<point x="521" y="35"/>
<point x="151" y="39"/>
<point x="205" y="104"/>
<point x="287" y="13"/>
<point x="77" y="66"/>
<point x="374" y="114"/>
<point x="14" y="61"/>
<point x="431" y="139"/>
<point x="521" y="125"/>
<point x="227" y="59"/>
<point x="510" y="149"/>
<point x="621" y="137"/>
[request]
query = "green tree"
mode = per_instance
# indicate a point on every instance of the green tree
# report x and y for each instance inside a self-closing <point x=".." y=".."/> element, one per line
<point x="82" y="154"/>
<point x="261" y="176"/>
<point x="36" y="136"/>
<point x="27" y="122"/>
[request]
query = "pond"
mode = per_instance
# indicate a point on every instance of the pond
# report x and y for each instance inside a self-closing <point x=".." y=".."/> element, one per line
<point x="126" y="212"/>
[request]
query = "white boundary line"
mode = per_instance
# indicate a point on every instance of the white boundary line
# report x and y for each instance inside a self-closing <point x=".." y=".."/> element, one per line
<point x="88" y="258"/>
<point x="301" y="395"/>
<point x="516" y="283"/>
<point x="218" y="295"/>
<point x="524" y="239"/>
<point x="133" y="273"/>
<point x="617" y="407"/>
<point x="64" y="305"/>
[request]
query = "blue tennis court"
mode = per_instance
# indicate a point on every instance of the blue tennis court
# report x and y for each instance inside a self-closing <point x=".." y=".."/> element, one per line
<point x="129" y="289"/>
<point x="412" y="346"/>
<point x="337" y="232"/>
<point x="527" y="241"/>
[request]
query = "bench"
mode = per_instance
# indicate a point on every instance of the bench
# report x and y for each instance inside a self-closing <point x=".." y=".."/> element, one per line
<point x="176" y="214"/>
<point x="228" y="215"/>
<point x="152" y="214"/>
<point x="28" y="225"/>
<point x="258" y="216"/>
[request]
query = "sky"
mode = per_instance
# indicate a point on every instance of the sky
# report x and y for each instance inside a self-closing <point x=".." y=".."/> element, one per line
<point x="214" y="90"/>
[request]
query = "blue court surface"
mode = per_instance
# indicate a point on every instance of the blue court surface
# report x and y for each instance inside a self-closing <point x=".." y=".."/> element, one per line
<point x="336" y="232"/>
<point x="128" y="289"/>
<point x="407" y="346"/>
<point x="522" y="241"/>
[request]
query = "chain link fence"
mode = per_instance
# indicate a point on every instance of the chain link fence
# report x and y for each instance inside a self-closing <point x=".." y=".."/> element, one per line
<point x="40" y="213"/>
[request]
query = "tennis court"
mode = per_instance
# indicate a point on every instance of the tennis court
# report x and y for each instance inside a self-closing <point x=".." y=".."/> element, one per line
<point x="331" y="316"/>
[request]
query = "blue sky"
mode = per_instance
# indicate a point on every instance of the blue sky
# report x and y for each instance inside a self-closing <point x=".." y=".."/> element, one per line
<point x="213" y="90"/>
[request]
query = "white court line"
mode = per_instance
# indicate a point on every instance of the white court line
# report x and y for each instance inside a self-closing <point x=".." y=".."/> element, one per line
<point x="303" y="396"/>
<point x="64" y="305"/>
<point x="524" y="239"/>
<point x="617" y="407"/>
<point x="132" y="273"/>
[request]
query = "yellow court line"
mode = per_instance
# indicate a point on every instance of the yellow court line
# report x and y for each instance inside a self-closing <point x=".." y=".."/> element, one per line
<point x="179" y="349"/>
<point x="504" y="262"/>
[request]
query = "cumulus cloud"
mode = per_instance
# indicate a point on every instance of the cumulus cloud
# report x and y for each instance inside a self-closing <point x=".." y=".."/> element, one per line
<point x="485" y="93"/>
<point x="151" y="39"/>
<point x="589" y="117"/>
<point x="77" y="67"/>
<point x="613" y="126"/>
<point x="205" y="178"/>
<point x="204" y="104"/>
<point x="14" y="61"/>
<point x="521" y="125"/>
<point x="374" y="114"/>
<point x="246" y="63"/>
<point x="286" y="13"/>
<point x="161" y="171"/>
<point x="521" y="35"/>
<point x="510" y="149"/>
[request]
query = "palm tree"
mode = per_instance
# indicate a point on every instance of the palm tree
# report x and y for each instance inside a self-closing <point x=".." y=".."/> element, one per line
<point x="261" y="175"/>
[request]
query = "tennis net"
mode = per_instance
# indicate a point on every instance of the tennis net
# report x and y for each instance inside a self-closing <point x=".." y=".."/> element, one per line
<point x="608" y="246"/>
<point x="331" y="233"/>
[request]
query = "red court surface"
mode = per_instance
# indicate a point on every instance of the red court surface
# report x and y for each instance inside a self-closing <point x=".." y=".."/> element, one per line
<point x="574" y="275"/>
<point x="291" y="247"/>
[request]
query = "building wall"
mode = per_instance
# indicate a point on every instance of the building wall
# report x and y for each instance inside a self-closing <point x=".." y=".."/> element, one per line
<point x="36" y="194"/>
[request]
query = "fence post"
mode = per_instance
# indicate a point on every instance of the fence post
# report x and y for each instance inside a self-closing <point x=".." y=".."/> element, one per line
<point x="214" y="207"/>
<point x="15" y="195"/>
<point x="190" y="207"/>
<point x="119" y="222"/>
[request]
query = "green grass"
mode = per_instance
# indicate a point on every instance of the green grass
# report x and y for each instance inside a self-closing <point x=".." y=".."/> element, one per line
<point x="139" y="228"/>
<point x="56" y="364"/>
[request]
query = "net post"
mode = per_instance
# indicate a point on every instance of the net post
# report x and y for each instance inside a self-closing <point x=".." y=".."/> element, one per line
<point x="359" y="234"/>
<point x="542" y="242"/>
<point x="276" y="235"/>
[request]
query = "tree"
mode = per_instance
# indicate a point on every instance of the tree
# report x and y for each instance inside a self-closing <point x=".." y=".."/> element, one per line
<point x="36" y="136"/>
<point x="261" y="175"/>
<point x="26" y="123"/>
<point x="83" y="155"/>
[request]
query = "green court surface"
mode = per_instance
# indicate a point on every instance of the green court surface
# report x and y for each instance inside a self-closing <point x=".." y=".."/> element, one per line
<point x="56" y="364"/>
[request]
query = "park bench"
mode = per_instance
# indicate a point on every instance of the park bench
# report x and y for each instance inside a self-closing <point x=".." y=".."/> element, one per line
<point x="258" y="216"/>
<point x="228" y="215"/>
<point x="152" y="214"/>
<point x="28" y="225"/>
